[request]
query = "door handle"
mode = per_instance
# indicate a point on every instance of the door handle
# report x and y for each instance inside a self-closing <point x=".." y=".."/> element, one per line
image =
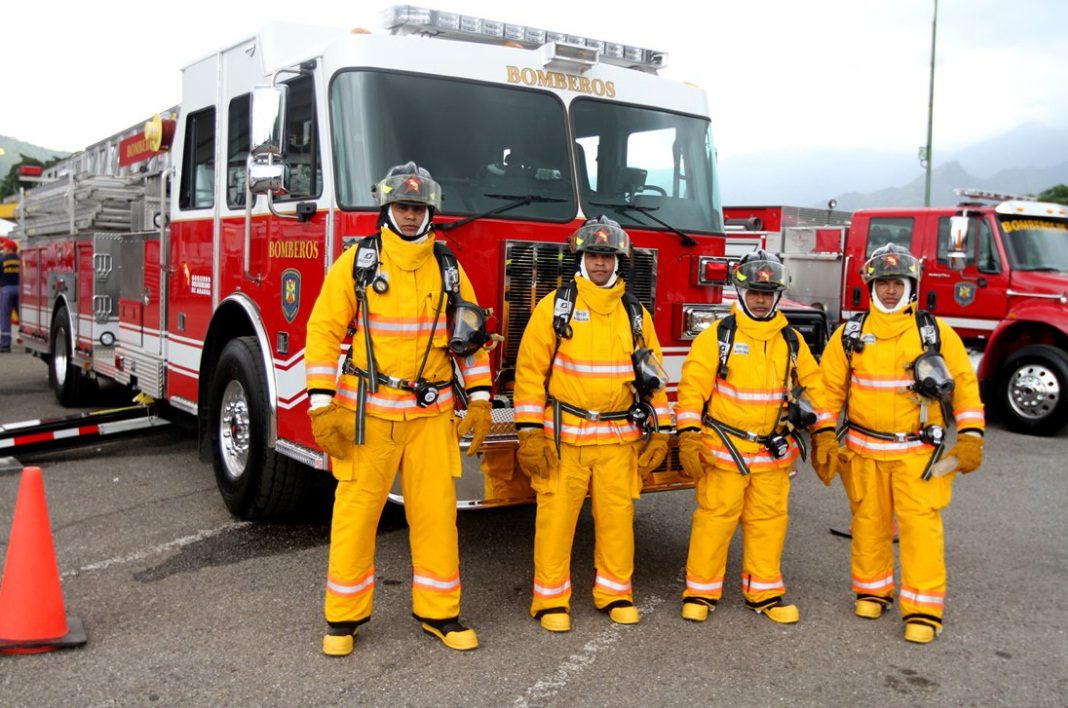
<point x="932" y="297"/>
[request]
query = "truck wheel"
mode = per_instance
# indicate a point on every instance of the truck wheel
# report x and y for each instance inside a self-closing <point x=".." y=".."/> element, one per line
<point x="255" y="482"/>
<point x="67" y="381"/>
<point x="1034" y="390"/>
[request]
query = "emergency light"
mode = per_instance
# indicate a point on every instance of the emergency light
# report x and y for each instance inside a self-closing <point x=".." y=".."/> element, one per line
<point x="411" y="19"/>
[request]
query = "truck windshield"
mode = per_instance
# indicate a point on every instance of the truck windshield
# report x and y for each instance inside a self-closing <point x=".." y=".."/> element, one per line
<point x="1036" y="244"/>
<point x="476" y="140"/>
<point x="660" y="161"/>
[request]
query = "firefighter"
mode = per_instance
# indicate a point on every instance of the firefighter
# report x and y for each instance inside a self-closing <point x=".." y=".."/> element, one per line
<point x="392" y="407"/>
<point x="588" y="384"/>
<point x="738" y="414"/>
<point x="9" y="291"/>
<point x="901" y="375"/>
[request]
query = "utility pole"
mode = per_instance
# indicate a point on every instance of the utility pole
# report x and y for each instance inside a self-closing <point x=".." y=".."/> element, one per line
<point x="930" y="110"/>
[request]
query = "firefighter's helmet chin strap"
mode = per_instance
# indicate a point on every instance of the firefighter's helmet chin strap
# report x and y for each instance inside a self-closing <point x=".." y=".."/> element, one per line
<point x="611" y="280"/>
<point x="420" y="236"/>
<point x="745" y="306"/>
<point x="905" y="301"/>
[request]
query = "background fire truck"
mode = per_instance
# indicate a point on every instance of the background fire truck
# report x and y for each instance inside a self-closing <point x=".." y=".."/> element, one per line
<point x="995" y="267"/>
<point x="182" y="258"/>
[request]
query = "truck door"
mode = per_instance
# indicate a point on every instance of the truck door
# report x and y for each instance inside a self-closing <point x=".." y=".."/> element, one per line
<point x="972" y="301"/>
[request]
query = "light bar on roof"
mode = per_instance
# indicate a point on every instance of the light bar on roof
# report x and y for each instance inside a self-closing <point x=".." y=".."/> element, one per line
<point x="411" y="19"/>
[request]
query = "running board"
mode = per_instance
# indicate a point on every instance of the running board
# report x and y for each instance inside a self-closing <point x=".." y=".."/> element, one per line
<point x="74" y="430"/>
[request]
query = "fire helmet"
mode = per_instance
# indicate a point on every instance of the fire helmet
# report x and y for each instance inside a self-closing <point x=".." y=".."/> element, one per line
<point x="408" y="184"/>
<point x="761" y="271"/>
<point x="600" y="235"/>
<point x="891" y="261"/>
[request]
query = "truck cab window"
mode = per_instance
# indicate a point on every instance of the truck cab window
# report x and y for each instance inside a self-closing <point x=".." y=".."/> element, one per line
<point x="237" y="142"/>
<point x="198" y="162"/>
<point x="302" y="141"/>
<point x="883" y="230"/>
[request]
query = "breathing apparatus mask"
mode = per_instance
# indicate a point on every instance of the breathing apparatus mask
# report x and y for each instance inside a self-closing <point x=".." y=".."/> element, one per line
<point x="649" y="379"/>
<point x="932" y="377"/>
<point x="800" y="413"/>
<point x="467" y="329"/>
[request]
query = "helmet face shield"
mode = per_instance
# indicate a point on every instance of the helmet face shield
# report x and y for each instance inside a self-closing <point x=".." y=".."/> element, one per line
<point x="600" y="236"/>
<point x="766" y="276"/>
<point x="890" y="261"/>
<point x="409" y="189"/>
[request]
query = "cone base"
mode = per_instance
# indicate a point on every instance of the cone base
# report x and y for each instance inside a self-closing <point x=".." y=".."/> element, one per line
<point x="74" y="637"/>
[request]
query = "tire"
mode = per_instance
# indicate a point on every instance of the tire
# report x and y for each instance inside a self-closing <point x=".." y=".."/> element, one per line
<point x="67" y="381"/>
<point x="255" y="482"/>
<point x="1033" y="391"/>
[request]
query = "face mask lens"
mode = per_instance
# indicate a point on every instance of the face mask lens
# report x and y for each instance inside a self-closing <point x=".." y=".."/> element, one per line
<point x="468" y="330"/>
<point x="932" y="376"/>
<point x="650" y="374"/>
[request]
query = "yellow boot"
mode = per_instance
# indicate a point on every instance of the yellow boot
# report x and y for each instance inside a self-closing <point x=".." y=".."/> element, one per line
<point x="920" y="632"/>
<point x="451" y="633"/>
<point x="869" y="609"/>
<point x="555" y="619"/>
<point x="339" y="640"/>
<point x="622" y="612"/>
<point x="697" y="609"/>
<point x="775" y="611"/>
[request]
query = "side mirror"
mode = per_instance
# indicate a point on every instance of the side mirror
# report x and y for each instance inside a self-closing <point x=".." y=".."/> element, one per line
<point x="268" y="178"/>
<point x="956" y="258"/>
<point x="268" y="120"/>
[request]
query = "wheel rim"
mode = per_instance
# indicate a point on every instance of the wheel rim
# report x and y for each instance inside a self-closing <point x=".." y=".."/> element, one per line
<point x="1033" y="392"/>
<point x="234" y="429"/>
<point x="59" y="357"/>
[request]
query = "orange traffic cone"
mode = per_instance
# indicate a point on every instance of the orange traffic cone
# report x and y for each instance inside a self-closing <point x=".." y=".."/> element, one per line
<point x="32" y="617"/>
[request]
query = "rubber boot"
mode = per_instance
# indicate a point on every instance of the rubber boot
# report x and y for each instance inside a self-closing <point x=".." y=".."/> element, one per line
<point x="451" y="633"/>
<point x="920" y="632"/>
<point x="697" y="609"/>
<point x="776" y="611"/>
<point x="340" y="639"/>
<point x="622" y="612"/>
<point x="869" y="608"/>
<point x="555" y="619"/>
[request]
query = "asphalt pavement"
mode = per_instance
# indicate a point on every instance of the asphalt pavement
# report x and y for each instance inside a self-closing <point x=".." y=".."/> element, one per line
<point x="186" y="606"/>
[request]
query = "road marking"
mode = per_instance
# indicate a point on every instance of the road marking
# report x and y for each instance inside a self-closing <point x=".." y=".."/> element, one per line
<point x="157" y="550"/>
<point x="575" y="664"/>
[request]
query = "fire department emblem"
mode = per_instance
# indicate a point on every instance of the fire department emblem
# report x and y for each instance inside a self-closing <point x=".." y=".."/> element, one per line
<point x="290" y="294"/>
<point x="964" y="294"/>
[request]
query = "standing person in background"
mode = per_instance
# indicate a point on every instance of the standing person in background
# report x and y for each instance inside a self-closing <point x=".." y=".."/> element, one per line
<point x="739" y="403"/>
<point x="901" y="375"/>
<point x="392" y="407"/>
<point x="588" y="382"/>
<point x="9" y="291"/>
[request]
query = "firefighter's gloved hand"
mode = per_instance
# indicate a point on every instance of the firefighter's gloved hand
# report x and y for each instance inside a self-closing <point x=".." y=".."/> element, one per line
<point x="536" y="455"/>
<point x="334" y="429"/>
<point x="968" y="451"/>
<point x="477" y="422"/>
<point x="691" y="454"/>
<point x="654" y="452"/>
<point x="825" y="455"/>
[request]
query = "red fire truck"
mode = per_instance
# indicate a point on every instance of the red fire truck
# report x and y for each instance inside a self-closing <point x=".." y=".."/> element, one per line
<point x="182" y="258"/>
<point x="995" y="267"/>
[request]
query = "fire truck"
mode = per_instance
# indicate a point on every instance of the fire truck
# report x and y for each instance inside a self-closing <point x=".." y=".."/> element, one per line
<point x="182" y="257"/>
<point x="995" y="267"/>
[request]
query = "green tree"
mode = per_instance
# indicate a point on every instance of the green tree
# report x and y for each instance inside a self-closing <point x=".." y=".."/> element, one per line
<point x="1057" y="194"/>
<point x="10" y="184"/>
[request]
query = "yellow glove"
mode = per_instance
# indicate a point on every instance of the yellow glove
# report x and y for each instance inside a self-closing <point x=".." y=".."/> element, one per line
<point x="825" y="455"/>
<point x="477" y="422"/>
<point x="535" y="455"/>
<point x="968" y="451"/>
<point x="654" y="452"/>
<point x="691" y="454"/>
<point x="334" y="429"/>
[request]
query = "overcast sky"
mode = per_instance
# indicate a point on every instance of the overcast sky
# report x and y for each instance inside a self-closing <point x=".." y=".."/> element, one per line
<point x="780" y="74"/>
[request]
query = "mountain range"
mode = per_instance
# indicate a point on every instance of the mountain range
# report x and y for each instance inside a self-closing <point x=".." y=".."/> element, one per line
<point x="13" y="149"/>
<point x="1025" y="160"/>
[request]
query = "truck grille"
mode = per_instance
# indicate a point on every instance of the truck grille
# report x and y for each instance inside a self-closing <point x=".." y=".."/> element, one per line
<point x="533" y="269"/>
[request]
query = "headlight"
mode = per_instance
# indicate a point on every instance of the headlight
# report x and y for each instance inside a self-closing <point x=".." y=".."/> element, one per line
<point x="697" y="318"/>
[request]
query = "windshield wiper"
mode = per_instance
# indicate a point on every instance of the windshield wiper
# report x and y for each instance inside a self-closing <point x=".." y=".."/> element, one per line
<point x="517" y="201"/>
<point x="644" y="210"/>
